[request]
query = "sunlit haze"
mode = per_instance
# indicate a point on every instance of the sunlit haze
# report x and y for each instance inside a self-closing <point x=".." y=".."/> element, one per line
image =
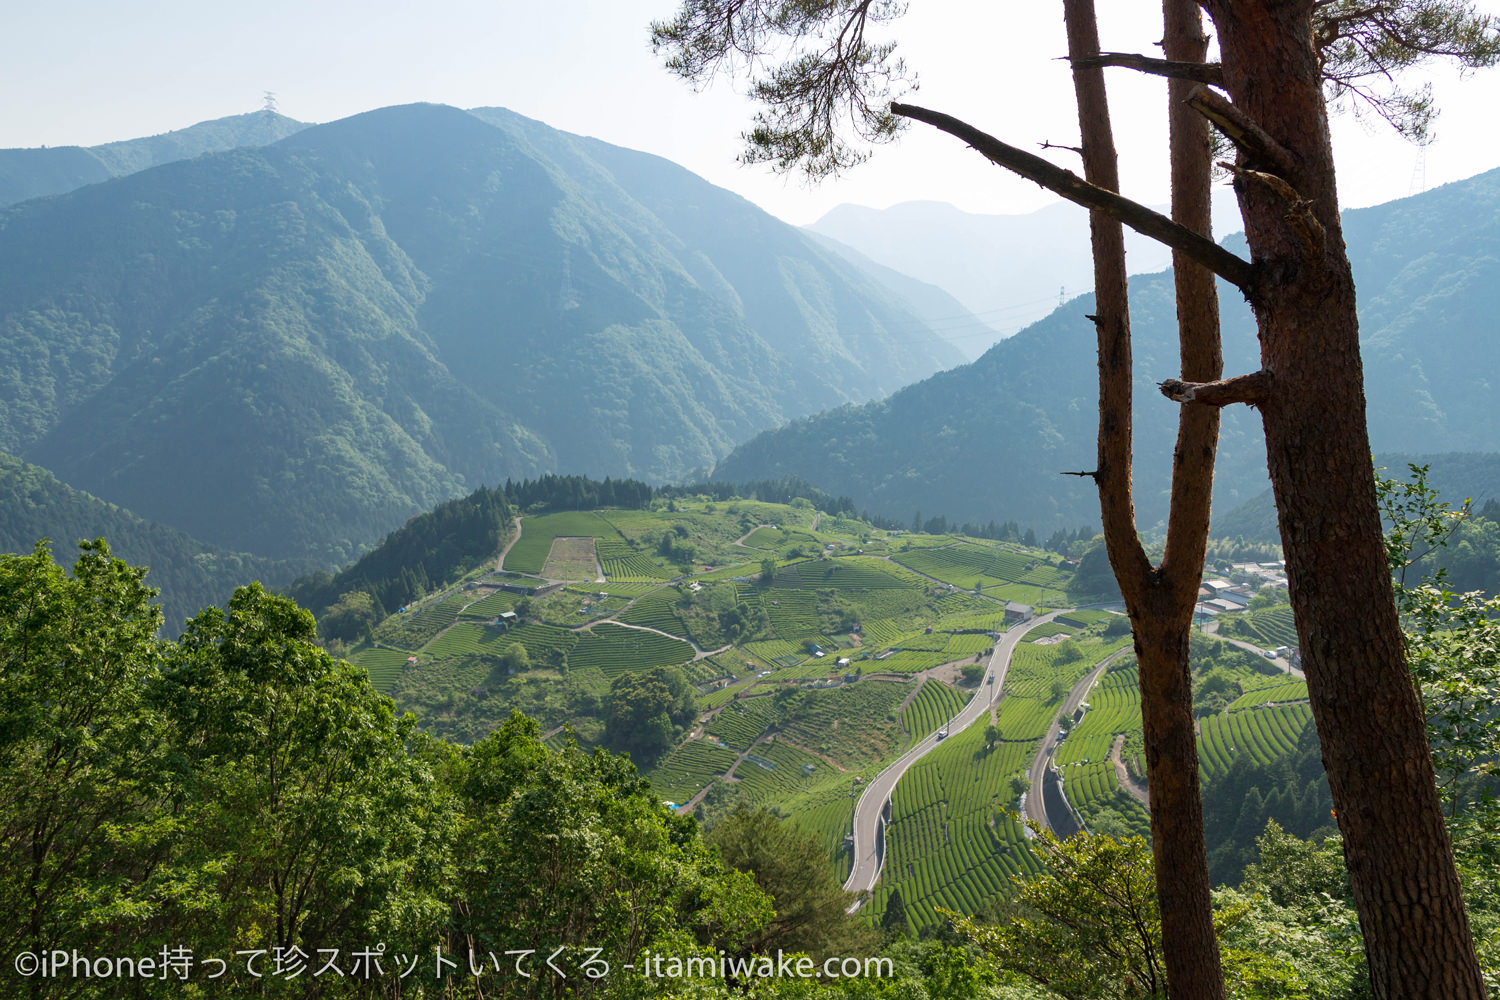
<point x="89" y="72"/>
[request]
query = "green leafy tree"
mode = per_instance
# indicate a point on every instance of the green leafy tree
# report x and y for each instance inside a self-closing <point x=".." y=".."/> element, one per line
<point x="894" y="918"/>
<point x="1089" y="926"/>
<point x="1093" y="577"/>
<point x="1263" y="599"/>
<point x="1294" y="906"/>
<point x="575" y="850"/>
<point x="1453" y="647"/>
<point x="515" y="660"/>
<point x="304" y="815"/>
<point x="1453" y="641"/>
<point x="1290" y="870"/>
<point x="81" y="756"/>
<point x="350" y="618"/>
<point x="1214" y="692"/>
<point x="791" y="866"/>
<point x="1308" y="950"/>
<point x="648" y="710"/>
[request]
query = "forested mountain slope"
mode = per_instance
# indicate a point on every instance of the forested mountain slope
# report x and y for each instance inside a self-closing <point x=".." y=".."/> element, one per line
<point x="989" y="439"/>
<point x="290" y="349"/>
<point x="189" y="574"/>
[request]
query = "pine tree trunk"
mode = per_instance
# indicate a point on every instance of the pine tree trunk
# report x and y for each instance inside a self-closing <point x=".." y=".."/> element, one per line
<point x="1190" y="949"/>
<point x="1160" y="600"/>
<point x="1369" y="719"/>
<point x="1310" y="392"/>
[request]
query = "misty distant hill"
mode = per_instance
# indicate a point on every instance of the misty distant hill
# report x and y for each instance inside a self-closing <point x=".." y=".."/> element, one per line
<point x="1457" y="476"/>
<point x="943" y="313"/>
<point x="34" y="173"/>
<point x="189" y="574"/>
<point x="1008" y="270"/>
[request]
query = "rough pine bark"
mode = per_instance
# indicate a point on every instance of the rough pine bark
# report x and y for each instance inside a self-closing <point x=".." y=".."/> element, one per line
<point x="1159" y="600"/>
<point x="1369" y="719"/>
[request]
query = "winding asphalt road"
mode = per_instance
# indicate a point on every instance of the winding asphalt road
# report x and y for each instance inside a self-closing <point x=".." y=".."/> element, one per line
<point x="1036" y="809"/>
<point x="1212" y="628"/>
<point x="867" y="813"/>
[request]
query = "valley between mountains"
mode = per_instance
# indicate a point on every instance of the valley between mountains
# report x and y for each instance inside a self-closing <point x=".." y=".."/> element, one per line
<point x="594" y="509"/>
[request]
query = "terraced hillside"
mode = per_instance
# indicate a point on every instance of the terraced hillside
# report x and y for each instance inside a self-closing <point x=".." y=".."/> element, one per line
<point x="686" y="587"/>
<point x="817" y="651"/>
<point x="954" y="839"/>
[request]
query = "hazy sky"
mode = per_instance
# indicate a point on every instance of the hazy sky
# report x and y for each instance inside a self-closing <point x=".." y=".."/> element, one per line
<point x="92" y="71"/>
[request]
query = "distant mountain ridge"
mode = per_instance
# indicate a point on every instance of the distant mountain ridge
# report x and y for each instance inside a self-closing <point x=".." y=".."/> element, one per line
<point x="1008" y="270"/>
<point x="288" y="350"/>
<point x="35" y="173"/>
<point x="1457" y="476"/>
<point x="989" y="440"/>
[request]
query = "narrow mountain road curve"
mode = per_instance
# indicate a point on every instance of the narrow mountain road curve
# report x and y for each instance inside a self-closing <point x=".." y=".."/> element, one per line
<point x="1036" y="807"/>
<point x="500" y="559"/>
<point x="740" y="541"/>
<point x="868" y="812"/>
<point x="698" y="653"/>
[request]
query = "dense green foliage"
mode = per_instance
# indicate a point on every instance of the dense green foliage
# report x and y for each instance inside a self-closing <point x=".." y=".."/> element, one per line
<point x="782" y="490"/>
<point x="1289" y="790"/>
<point x="241" y="790"/>
<point x="431" y="550"/>
<point x="788" y="866"/>
<point x="1094" y="577"/>
<point x="1469" y="558"/>
<point x="552" y="492"/>
<point x="1090" y="925"/>
<point x="1453" y="647"/>
<point x="648" y="711"/>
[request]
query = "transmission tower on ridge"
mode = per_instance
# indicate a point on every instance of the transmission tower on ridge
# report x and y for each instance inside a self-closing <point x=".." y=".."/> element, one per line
<point x="1419" y="171"/>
